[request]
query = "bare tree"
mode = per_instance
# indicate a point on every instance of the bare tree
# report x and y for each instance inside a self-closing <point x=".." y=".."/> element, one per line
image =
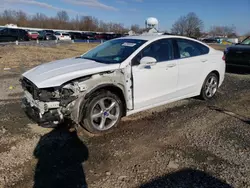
<point x="62" y="16"/>
<point x="8" y="16"/>
<point x="60" y="21"/>
<point x="21" y="18"/>
<point x="136" y="28"/>
<point x="226" y="31"/>
<point x="179" y="26"/>
<point x="190" y="25"/>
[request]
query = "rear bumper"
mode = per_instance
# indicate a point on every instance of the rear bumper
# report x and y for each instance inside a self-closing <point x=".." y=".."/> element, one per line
<point x="235" y="64"/>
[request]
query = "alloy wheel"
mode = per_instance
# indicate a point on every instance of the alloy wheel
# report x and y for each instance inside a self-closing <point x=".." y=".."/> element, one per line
<point x="211" y="86"/>
<point x="105" y="113"/>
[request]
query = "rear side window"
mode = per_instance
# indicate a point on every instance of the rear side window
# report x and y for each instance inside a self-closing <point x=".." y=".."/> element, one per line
<point x="189" y="48"/>
<point x="22" y="32"/>
<point x="13" y="31"/>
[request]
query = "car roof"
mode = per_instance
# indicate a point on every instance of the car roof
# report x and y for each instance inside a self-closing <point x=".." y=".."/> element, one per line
<point x="152" y="37"/>
<point x="149" y="37"/>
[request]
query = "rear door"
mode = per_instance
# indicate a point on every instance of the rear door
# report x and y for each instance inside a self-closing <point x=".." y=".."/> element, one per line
<point x="23" y="35"/>
<point x="14" y="32"/>
<point x="239" y="55"/>
<point x="191" y="57"/>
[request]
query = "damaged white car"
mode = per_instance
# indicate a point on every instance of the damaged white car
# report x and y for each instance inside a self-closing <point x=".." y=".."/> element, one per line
<point x="121" y="77"/>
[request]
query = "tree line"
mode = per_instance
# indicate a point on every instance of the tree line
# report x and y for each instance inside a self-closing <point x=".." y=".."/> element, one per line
<point x="60" y="21"/>
<point x="192" y="26"/>
<point x="188" y="25"/>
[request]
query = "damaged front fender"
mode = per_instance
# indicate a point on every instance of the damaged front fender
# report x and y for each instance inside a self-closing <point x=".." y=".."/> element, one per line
<point x="106" y="80"/>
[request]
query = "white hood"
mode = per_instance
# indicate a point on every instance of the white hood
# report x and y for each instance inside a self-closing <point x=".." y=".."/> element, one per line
<point x="58" y="72"/>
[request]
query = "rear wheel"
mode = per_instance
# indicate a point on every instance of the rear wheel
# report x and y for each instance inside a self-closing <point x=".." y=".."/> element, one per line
<point x="102" y="112"/>
<point x="210" y="86"/>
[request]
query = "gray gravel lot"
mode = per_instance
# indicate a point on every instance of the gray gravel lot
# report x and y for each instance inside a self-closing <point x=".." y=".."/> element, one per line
<point x="190" y="143"/>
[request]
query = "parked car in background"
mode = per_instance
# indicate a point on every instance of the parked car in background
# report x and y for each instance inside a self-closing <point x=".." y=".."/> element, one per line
<point x="101" y="36"/>
<point x="210" y="40"/>
<point x="50" y="36"/>
<point x="121" y="77"/>
<point x="117" y="35"/>
<point x="49" y="31"/>
<point x="88" y="36"/>
<point x="62" y="36"/>
<point x="107" y="36"/>
<point x="14" y="34"/>
<point x="6" y="38"/>
<point x="239" y="54"/>
<point x="33" y="35"/>
<point x="75" y="35"/>
<point x="44" y="33"/>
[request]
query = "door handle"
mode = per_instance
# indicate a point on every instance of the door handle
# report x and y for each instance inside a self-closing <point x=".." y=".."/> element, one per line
<point x="203" y="60"/>
<point x="171" y="65"/>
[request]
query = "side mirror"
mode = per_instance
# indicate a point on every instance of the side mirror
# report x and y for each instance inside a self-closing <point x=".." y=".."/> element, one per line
<point x="147" y="62"/>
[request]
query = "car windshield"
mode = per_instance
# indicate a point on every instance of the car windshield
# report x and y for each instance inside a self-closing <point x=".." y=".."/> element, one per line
<point x="246" y="41"/>
<point x="114" y="51"/>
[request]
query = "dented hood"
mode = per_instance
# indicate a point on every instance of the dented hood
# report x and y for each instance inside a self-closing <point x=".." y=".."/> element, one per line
<point x="58" y="72"/>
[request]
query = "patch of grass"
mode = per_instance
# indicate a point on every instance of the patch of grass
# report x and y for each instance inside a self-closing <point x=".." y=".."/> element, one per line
<point x="28" y="56"/>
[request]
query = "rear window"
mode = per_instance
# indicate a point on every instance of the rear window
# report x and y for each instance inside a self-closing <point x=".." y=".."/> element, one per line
<point x="49" y="31"/>
<point x="65" y="34"/>
<point x="190" y="48"/>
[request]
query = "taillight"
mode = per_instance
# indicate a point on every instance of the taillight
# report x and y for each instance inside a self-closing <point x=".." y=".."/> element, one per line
<point x="224" y="57"/>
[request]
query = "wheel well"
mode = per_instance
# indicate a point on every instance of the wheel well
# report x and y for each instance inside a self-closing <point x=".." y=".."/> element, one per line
<point x="217" y="74"/>
<point x="114" y="89"/>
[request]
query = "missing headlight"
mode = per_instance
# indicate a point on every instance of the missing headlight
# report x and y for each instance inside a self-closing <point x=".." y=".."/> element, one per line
<point x="66" y="92"/>
<point x="49" y="94"/>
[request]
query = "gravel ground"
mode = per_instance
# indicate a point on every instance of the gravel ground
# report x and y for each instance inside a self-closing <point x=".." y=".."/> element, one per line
<point x="190" y="143"/>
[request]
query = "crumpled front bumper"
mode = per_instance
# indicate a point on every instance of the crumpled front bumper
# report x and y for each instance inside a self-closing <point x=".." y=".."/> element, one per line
<point x="50" y="117"/>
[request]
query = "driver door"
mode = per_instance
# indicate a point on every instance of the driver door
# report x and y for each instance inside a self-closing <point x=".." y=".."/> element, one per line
<point x="156" y="84"/>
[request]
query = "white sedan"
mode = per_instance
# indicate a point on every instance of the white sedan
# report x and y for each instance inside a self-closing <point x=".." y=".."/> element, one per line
<point x="121" y="77"/>
<point x="62" y="36"/>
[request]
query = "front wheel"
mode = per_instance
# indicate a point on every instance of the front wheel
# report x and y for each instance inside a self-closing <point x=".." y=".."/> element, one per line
<point x="210" y="86"/>
<point x="102" y="112"/>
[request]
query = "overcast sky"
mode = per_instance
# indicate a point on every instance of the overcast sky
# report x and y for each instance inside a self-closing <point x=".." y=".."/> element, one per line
<point x="212" y="12"/>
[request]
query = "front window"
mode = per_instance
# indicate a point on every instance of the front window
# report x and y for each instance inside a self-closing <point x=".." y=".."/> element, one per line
<point x="115" y="51"/>
<point x="161" y="50"/>
<point x="246" y="41"/>
<point x="4" y="31"/>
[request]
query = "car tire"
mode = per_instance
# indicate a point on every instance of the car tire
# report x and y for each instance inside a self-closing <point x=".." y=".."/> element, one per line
<point x="102" y="111"/>
<point x="209" y="87"/>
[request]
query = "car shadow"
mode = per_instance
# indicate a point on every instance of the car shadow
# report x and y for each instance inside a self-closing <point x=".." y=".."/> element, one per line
<point x="60" y="155"/>
<point x="186" y="178"/>
<point x="237" y="70"/>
